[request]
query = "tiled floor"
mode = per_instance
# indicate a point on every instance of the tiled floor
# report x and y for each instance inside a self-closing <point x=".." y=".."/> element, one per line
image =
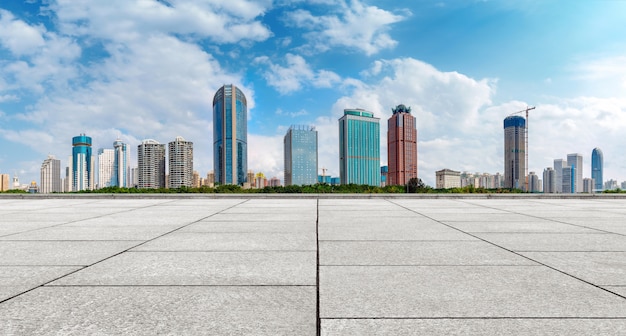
<point x="307" y="266"/>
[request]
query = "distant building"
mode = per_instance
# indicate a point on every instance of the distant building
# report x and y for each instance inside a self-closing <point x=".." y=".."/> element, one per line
<point x="597" y="168"/>
<point x="588" y="185"/>
<point x="106" y="162"/>
<point x="549" y="180"/>
<point x="447" y="178"/>
<point x="151" y="165"/>
<point x="623" y="185"/>
<point x="534" y="184"/>
<point x="121" y="165"/>
<point x="4" y="182"/>
<point x="569" y="180"/>
<point x="515" y="152"/>
<point x="50" y="176"/>
<point x="210" y="179"/>
<point x="180" y="163"/>
<point x="33" y="188"/>
<point x="384" y="172"/>
<point x="359" y="148"/>
<point x="401" y="146"/>
<point x="610" y="185"/>
<point x="559" y="164"/>
<point x="82" y="164"/>
<point x="300" y="149"/>
<point x="274" y="182"/>
<point x="230" y="135"/>
<point x="576" y="160"/>
<point x="260" y="181"/>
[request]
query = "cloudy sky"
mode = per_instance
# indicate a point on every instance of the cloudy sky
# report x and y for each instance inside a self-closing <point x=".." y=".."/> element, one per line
<point x="139" y="69"/>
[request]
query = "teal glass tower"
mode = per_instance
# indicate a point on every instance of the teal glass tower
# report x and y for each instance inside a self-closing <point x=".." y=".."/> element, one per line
<point x="230" y="135"/>
<point x="82" y="163"/>
<point x="597" y="169"/>
<point x="359" y="148"/>
<point x="300" y="155"/>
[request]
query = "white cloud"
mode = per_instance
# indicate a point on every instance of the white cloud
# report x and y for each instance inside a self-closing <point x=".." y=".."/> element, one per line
<point x="19" y="37"/>
<point x="223" y="21"/>
<point x="607" y="73"/>
<point x="297" y="72"/>
<point x="353" y="25"/>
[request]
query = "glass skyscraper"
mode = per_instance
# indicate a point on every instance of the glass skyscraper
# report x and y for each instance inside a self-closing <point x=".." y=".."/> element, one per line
<point x="230" y="135"/>
<point x="359" y="148"/>
<point x="121" y="162"/>
<point x="515" y="152"/>
<point x="597" y="169"/>
<point x="300" y="155"/>
<point x="576" y="160"/>
<point x="82" y="164"/>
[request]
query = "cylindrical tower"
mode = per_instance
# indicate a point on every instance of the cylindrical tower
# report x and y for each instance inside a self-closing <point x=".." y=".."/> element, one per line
<point x="514" y="152"/>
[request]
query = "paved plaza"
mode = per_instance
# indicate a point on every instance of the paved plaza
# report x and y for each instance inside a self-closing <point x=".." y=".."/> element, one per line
<point x="308" y="265"/>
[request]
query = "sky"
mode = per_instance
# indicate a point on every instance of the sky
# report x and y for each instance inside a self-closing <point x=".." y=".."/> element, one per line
<point x="148" y="69"/>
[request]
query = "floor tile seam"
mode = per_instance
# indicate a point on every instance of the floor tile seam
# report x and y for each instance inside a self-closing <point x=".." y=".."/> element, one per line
<point x="318" y="321"/>
<point x="109" y="257"/>
<point x="548" y="219"/>
<point x="84" y="219"/>
<point x="611" y="318"/>
<point x="531" y="259"/>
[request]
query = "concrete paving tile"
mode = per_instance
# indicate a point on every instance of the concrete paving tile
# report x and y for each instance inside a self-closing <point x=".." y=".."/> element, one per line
<point x="557" y="241"/>
<point x="93" y="232"/>
<point x="621" y="290"/>
<point x="161" y="311"/>
<point x="285" y="226"/>
<point x="8" y="228"/>
<point x="15" y="253"/>
<point x="17" y="279"/>
<point x="232" y="241"/>
<point x="600" y="268"/>
<point x="509" y="217"/>
<point x="465" y="327"/>
<point x="359" y="219"/>
<point x="255" y="217"/>
<point x="460" y="291"/>
<point x="416" y="253"/>
<point x="200" y="268"/>
<point x="536" y="225"/>
<point x="46" y="217"/>
<point x="389" y="231"/>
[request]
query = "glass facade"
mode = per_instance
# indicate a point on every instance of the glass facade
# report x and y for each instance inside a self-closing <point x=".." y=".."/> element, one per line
<point x="597" y="169"/>
<point x="359" y="148"/>
<point x="230" y="135"/>
<point x="300" y="156"/>
<point x="82" y="170"/>
<point x="121" y="160"/>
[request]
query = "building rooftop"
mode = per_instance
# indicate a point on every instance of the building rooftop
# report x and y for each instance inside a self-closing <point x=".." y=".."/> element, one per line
<point x="312" y="264"/>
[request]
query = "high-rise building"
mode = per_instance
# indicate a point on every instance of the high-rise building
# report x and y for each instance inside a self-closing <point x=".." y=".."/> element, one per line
<point x="300" y="146"/>
<point x="359" y="148"/>
<point x="50" y="176"/>
<point x="448" y="178"/>
<point x="588" y="185"/>
<point x="559" y="164"/>
<point x="180" y="163"/>
<point x="230" y="135"/>
<point x="569" y="180"/>
<point x="106" y="158"/>
<point x="533" y="182"/>
<point x="121" y="165"/>
<point x="610" y="185"/>
<point x="549" y="180"/>
<point x="597" y="168"/>
<point x="210" y="179"/>
<point x="515" y="152"/>
<point x="82" y="164"/>
<point x="4" y="182"/>
<point x="401" y="146"/>
<point x="151" y="164"/>
<point x="576" y="160"/>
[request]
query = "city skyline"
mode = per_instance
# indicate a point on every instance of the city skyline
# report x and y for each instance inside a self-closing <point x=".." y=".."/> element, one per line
<point x="69" y="68"/>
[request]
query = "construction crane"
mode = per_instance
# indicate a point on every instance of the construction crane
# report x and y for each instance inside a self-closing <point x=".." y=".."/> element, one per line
<point x="526" y="141"/>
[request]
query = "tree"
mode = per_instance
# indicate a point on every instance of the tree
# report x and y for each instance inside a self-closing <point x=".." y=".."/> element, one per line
<point x="416" y="185"/>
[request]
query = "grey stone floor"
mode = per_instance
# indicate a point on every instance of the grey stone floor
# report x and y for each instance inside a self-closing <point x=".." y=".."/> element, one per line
<point x="294" y="266"/>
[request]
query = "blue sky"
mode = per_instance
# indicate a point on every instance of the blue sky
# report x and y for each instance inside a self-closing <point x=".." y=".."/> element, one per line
<point x="149" y="69"/>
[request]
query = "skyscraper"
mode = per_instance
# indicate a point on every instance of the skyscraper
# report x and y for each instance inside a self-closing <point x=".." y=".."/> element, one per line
<point x="597" y="168"/>
<point x="576" y="160"/>
<point x="82" y="164"/>
<point x="4" y="182"/>
<point x="106" y="159"/>
<point x="549" y="180"/>
<point x="50" y="176"/>
<point x="180" y="163"/>
<point x="533" y="182"/>
<point x="401" y="146"/>
<point x="559" y="164"/>
<point x="569" y="180"/>
<point x="230" y="135"/>
<point x="514" y="152"/>
<point x="359" y="148"/>
<point x="151" y="164"/>
<point x="300" y="155"/>
<point x="121" y="165"/>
